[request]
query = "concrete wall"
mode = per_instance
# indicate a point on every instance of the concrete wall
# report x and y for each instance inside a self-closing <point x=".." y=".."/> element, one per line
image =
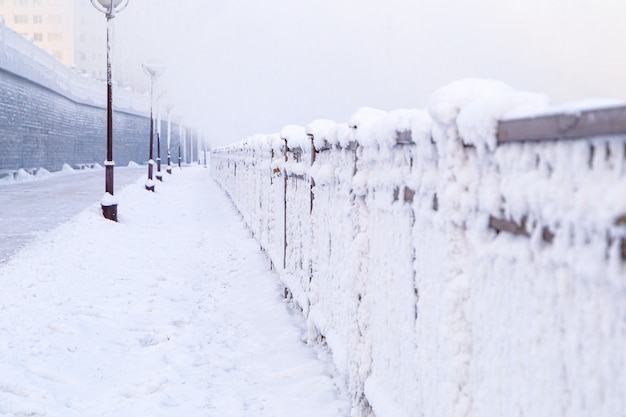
<point x="50" y="116"/>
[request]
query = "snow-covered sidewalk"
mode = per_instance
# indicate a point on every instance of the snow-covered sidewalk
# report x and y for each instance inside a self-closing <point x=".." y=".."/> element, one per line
<point x="170" y="312"/>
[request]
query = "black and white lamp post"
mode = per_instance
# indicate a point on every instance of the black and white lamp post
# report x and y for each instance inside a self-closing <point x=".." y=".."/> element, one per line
<point x="180" y="139"/>
<point x="159" y="176"/>
<point x="154" y="70"/>
<point x="109" y="204"/>
<point x="169" y="108"/>
<point x="204" y="144"/>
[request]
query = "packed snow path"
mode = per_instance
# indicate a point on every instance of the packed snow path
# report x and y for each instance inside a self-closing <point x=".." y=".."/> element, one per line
<point x="170" y="312"/>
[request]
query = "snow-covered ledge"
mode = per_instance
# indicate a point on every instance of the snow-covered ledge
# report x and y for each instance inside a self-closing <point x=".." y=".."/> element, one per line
<point x="22" y="57"/>
<point x="448" y="275"/>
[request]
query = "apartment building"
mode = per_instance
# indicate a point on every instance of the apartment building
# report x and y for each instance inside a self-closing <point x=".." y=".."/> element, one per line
<point x="72" y="30"/>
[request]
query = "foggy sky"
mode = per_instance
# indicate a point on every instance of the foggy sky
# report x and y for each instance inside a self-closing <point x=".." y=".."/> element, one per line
<point x="239" y="67"/>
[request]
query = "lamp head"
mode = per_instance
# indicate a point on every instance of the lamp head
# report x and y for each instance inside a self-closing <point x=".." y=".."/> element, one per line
<point x="110" y="6"/>
<point x="107" y="3"/>
<point x="153" y="68"/>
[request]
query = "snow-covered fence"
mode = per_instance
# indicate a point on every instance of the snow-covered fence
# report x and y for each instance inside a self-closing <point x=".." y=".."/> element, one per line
<point x="450" y="274"/>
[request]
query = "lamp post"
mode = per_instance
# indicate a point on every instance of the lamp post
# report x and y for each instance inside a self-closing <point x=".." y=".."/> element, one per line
<point x="154" y="70"/>
<point x="180" y="139"/>
<point x="204" y="144"/>
<point x="169" y="137"/>
<point x="159" y="176"/>
<point x="109" y="204"/>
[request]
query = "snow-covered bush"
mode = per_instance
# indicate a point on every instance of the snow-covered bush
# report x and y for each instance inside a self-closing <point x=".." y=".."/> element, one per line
<point x="448" y="275"/>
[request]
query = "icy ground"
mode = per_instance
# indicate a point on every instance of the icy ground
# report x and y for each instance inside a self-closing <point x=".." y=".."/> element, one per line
<point x="31" y="205"/>
<point x="170" y="312"/>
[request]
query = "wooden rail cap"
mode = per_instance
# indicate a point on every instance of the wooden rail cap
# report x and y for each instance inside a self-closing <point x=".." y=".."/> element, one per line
<point x="587" y="123"/>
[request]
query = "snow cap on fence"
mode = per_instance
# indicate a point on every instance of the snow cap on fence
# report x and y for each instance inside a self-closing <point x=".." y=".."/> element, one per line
<point x="257" y="138"/>
<point x="319" y="130"/>
<point x="364" y="121"/>
<point x="296" y="136"/>
<point x="365" y="116"/>
<point x="384" y="131"/>
<point x="476" y="105"/>
<point x="259" y="141"/>
<point x="340" y="134"/>
<point x="275" y="141"/>
<point x="245" y="143"/>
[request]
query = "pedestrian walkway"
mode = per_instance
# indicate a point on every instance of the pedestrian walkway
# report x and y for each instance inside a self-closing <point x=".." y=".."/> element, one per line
<point x="39" y="204"/>
<point x="170" y="312"/>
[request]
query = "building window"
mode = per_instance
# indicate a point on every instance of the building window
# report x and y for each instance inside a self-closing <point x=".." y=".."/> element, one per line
<point x="21" y="2"/>
<point x="55" y="19"/>
<point x="21" y="18"/>
<point x="38" y="2"/>
<point x="83" y="56"/>
<point x="38" y="37"/>
<point x="55" y="37"/>
<point x="37" y="18"/>
<point x="58" y="55"/>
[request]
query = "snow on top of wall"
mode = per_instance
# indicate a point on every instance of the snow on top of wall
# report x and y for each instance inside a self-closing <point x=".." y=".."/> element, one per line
<point x="295" y="135"/>
<point x="275" y="141"/>
<point x="383" y="130"/>
<point x="340" y="134"/>
<point x="364" y="121"/>
<point x="365" y="115"/>
<point x="476" y="105"/>
<point x="417" y="121"/>
<point x="368" y="127"/>
<point x="446" y="103"/>
<point x="22" y="57"/>
<point x="472" y="106"/>
<point x="319" y="130"/>
<point x="258" y="141"/>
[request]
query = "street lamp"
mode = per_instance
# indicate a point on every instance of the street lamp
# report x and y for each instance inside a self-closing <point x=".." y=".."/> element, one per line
<point x="180" y="139"/>
<point x="169" y="108"/>
<point x="109" y="203"/>
<point x="159" y="177"/>
<point x="204" y="144"/>
<point x="154" y="70"/>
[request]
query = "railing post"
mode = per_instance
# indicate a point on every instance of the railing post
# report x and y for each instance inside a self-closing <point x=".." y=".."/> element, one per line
<point x="285" y="207"/>
<point x="311" y="180"/>
<point x="312" y="199"/>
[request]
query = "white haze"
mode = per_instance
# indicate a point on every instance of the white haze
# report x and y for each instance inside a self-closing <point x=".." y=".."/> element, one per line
<point x="240" y="67"/>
